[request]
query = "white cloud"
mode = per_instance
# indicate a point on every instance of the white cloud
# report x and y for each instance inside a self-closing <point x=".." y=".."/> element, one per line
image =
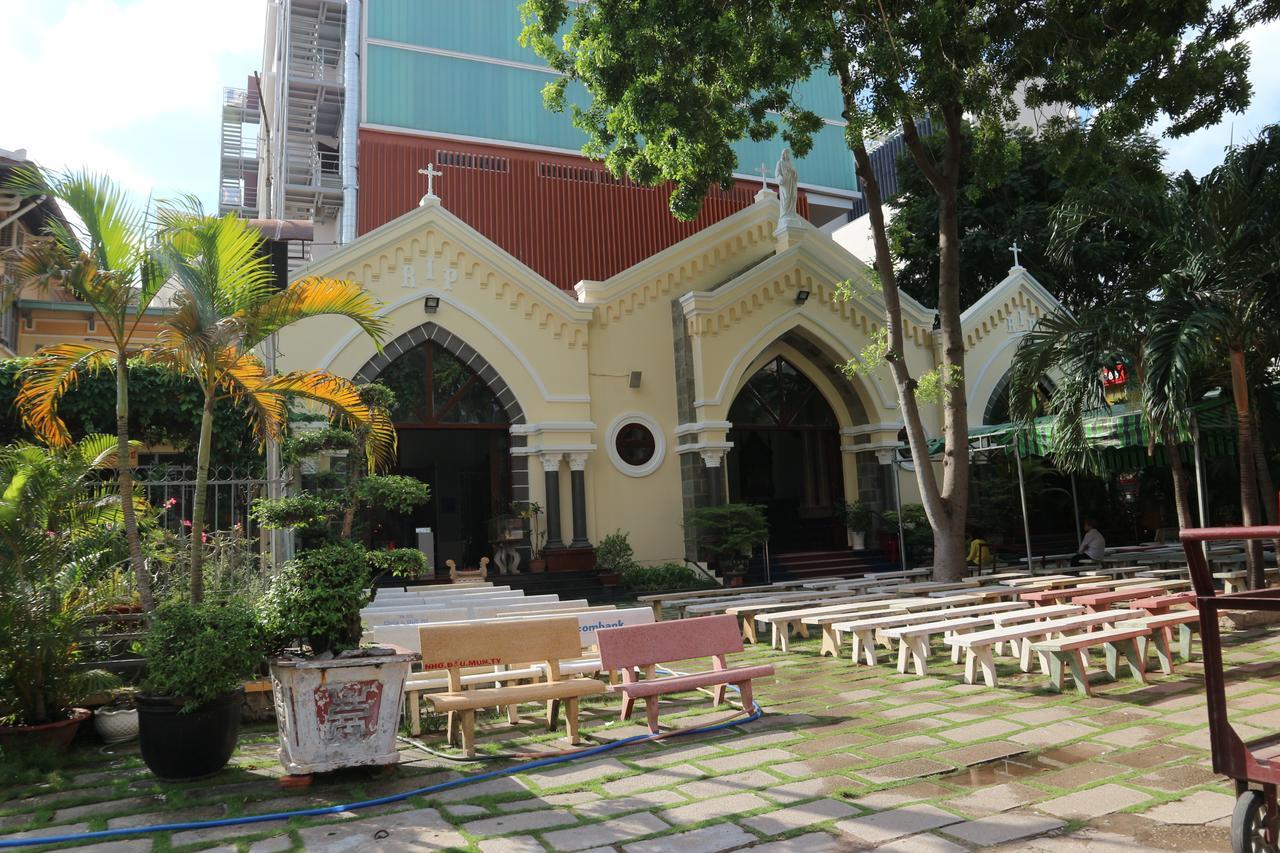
<point x="1201" y="151"/>
<point x="99" y="83"/>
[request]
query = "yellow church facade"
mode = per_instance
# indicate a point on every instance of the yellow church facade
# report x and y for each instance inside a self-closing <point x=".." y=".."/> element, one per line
<point x="706" y="373"/>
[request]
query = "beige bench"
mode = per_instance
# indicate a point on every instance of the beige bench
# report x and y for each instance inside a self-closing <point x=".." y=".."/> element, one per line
<point x="453" y="648"/>
<point x="979" y="646"/>
<point x="750" y="613"/>
<point x="782" y="622"/>
<point x="1186" y="621"/>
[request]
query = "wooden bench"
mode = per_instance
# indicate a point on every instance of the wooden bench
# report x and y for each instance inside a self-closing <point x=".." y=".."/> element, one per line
<point x="546" y="641"/>
<point x="979" y="646"/>
<point x="648" y="646"/>
<point x="1073" y="651"/>
<point x="863" y="631"/>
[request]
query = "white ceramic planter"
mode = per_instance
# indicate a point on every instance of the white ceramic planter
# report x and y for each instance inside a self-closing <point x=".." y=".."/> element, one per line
<point x="857" y="540"/>
<point x="116" y="725"/>
<point x="339" y="713"/>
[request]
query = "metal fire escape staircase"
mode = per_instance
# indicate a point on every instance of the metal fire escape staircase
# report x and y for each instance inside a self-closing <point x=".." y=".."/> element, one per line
<point x="314" y="98"/>
<point x="238" y="165"/>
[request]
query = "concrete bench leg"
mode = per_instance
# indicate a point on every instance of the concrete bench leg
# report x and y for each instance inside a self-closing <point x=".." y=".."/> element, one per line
<point x="749" y="629"/>
<point x="868" y="643"/>
<point x="451" y="728"/>
<point x="1184" y="641"/>
<point x="468" y="726"/>
<point x="513" y="715"/>
<point x="571" y="720"/>
<point x="776" y="632"/>
<point x="553" y="714"/>
<point x="1135" y="658"/>
<point x="1079" y="670"/>
<point x="651" y="712"/>
<point x="802" y="629"/>
<point x="628" y="706"/>
<point x="830" y="643"/>
<point x="413" y="703"/>
<point x="748" y="699"/>
<point x="914" y="650"/>
<point x="1164" y="653"/>
<point x="986" y="663"/>
<point x="717" y="694"/>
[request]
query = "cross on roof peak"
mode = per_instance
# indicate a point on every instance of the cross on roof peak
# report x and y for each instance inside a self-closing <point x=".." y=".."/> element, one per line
<point x="1015" y="248"/>
<point x="432" y="173"/>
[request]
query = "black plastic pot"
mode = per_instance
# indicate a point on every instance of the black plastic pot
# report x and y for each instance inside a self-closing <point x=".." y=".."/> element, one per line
<point x="179" y="746"/>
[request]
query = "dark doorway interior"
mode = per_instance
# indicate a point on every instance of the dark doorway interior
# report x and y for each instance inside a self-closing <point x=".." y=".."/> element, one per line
<point x="453" y="435"/>
<point x="786" y="457"/>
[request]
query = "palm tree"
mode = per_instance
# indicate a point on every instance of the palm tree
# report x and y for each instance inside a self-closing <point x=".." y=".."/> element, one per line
<point x="106" y="261"/>
<point x="227" y="305"/>
<point x="1220" y="299"/>
<point x="1079" y="349"/>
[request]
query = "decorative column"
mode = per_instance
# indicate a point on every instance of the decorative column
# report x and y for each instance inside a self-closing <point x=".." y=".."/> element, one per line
<point x="711" y="459"/>
<point x="551" y="477"/>
<point x="578" y="496"/>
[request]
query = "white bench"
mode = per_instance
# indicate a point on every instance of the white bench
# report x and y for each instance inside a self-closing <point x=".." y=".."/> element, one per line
<point x="863" y="631"/>
<point x="831" y="639"/>
<point x="488" y="611"/>
<point x="405" y="615"/>
<point x="751" y="612"/>
<point x="1162" y="625"/>
<point x="979" y="645"/>
<point x="915" y="641"/>
<point x="1074" y="652"/>
<point x="782" y="622"/>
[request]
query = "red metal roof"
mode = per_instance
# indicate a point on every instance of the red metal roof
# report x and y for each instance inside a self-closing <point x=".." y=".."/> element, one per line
<point x="565" y="217"/>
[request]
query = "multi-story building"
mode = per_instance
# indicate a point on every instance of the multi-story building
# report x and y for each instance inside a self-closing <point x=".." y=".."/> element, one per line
<point x="358" y="95"/>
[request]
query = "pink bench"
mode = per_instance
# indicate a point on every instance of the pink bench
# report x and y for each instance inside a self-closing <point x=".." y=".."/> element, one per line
<point x="648" y="646"/>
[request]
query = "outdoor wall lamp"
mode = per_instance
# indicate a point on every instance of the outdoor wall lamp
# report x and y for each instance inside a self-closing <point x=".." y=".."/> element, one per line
<point x="802" y="296"/>
<point x="634" y="380"/>
<point x="431" y="304"/>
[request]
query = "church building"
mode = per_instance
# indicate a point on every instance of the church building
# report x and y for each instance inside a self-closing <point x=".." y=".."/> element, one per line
<point x="706" y="372"/>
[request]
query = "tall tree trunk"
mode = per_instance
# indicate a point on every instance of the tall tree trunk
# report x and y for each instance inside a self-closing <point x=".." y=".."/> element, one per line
<point x="1247" y="465"/>
<point x="198" y="504"/>
<point x="1181" y="487"/>
<point x="944" y="177"/>
<point x="124" y="480"/>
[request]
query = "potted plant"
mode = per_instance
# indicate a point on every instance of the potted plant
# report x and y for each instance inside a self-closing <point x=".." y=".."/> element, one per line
<point x="198" y="656"/>
<point x="337" y="702"/>
<point x="614" y="556"/>
<point x="858" y="517"/>
<point x="117" y="721"/>
<point x="59" y="543"/>
<point x="729" y="534"/>
<point x="531" y="511"/>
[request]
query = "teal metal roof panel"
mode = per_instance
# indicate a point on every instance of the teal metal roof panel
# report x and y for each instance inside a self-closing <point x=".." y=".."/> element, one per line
<point x="480" y="27"/>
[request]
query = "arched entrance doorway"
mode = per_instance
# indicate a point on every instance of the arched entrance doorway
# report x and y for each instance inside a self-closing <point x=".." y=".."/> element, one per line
<point x="786" y="457"/>
<point x="453" y="434"/>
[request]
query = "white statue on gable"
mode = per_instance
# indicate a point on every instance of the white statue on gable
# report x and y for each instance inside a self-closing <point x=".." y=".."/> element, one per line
<point x="787" y="176"/>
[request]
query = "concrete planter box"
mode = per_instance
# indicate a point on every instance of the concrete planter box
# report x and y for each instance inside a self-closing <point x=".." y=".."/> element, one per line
<point x="343" y="712"/>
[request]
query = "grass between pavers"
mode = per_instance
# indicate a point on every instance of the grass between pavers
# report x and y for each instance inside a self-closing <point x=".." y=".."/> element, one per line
<point x="812" y="687"/>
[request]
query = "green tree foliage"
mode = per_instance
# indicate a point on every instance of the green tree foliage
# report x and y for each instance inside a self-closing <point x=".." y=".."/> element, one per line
<point x="1062" y="166"/>
<point x="198" y="652"/>
<point x="164" y="408"/>
<point x="672" y="84"/>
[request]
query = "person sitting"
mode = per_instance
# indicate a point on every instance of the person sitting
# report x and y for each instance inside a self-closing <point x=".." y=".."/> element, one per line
<point x="979" y="552"/>
<point x="1092" y="546"/>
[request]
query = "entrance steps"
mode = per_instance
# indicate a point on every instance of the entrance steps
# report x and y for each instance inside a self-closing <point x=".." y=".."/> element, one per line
<point x="801" y="565"/>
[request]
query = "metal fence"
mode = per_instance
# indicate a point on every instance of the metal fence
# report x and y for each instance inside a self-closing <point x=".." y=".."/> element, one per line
<point x="229" y="496"/>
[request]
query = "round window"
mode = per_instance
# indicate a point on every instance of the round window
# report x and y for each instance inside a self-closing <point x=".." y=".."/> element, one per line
<point x="635" y="444"/>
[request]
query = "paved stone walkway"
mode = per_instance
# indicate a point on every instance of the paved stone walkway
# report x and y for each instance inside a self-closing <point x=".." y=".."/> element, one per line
<point x="846" y="757"/>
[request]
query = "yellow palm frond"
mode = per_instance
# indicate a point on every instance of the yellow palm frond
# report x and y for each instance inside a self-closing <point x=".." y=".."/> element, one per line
<point x="242" y="378"/>
<point x="340" y="396"/>
<point x="47" y="377"/>
<point x="314" y="297"/>
<point x="380" y="447"/>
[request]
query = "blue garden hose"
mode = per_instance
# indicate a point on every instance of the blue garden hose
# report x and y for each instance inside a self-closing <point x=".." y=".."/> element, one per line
<point x="104" y="834"/>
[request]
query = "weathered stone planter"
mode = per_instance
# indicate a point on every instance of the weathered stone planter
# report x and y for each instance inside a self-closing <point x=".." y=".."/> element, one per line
<point x="343" y="712"/>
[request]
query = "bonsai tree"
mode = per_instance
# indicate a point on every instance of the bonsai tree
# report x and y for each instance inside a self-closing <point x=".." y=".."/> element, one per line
<point x="60" y="526"/>
<point x="314" y="600"/>
<point x="729" y="533"/>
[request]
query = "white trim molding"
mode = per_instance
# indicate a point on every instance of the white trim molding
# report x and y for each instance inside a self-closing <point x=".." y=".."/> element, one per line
<point x="659" y="444"/>
<point x="868" y="429"/>
<point x="700" y="426"/>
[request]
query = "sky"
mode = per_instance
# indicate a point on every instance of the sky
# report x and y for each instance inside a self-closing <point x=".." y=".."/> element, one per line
<point x="134" y="87"/>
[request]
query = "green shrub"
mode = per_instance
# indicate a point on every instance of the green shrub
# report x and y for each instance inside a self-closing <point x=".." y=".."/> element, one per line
<point x="197" y="652"/>
<point x="663" y="577"/>
<point x="315" y="599"/>
<point x="614" y="553"/>
<point x="401" y="562"/>
<point x="915" y="529"/>
<point x="730" y="530"/>
<point x="305" y="510"/>
<point x="393" y="492"/>
<point x="858" y="516"/>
